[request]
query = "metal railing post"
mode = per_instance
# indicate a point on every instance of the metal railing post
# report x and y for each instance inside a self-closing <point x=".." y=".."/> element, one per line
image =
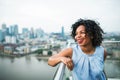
<point x="60" y="72"/>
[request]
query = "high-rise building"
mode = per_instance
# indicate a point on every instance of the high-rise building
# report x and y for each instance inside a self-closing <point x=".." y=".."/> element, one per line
<point x="25" y="32"/>
<point x="32" y="33"/>
<point x="7" y="31"/>
<point x="13" y="30"/>
<point x="1" y="36"/>
<point x="39" y="33"/>
<point x="62" y="32"/>
<point x="4" y="26"/>
<point x="16" y="31"/>
<point x="4" y="30"/>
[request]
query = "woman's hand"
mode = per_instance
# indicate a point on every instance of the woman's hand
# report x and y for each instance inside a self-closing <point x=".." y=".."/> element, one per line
<point x="68" y="62"/>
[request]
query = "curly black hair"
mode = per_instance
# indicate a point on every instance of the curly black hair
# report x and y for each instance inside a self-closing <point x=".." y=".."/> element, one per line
<point x="92" y="28"/>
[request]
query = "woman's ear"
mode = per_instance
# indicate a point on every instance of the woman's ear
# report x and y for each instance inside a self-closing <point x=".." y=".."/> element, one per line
<point x="75" y="38"/>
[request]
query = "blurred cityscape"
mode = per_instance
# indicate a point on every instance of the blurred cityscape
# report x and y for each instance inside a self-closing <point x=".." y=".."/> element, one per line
<point x="16" y="43"/>
<point x="36" y="41"/>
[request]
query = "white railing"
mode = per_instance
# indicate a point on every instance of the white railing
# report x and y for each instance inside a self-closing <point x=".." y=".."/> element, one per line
<point x="60" y="72"/>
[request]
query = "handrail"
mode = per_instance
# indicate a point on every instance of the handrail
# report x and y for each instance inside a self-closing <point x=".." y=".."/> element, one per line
<point x="60" y="72"/>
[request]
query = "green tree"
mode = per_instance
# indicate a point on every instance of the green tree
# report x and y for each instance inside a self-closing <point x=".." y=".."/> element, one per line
<point x="49" y="52"/>
<point x="39" y="51"/>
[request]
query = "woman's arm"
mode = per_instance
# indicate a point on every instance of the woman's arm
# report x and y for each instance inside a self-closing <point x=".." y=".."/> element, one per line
<point x="64" y="56"/>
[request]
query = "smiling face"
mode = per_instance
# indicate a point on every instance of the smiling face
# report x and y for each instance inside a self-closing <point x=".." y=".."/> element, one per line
<point x="82" y="38"/>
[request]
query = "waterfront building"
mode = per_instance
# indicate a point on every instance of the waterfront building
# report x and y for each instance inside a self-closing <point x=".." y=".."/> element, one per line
<point x="8" y="49"/>
<point x="10" y="39"/>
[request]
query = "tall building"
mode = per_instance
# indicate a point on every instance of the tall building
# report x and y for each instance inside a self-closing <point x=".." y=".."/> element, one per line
<point x="4" y="26"/>
<point x="31" y="33"/>
<point x="4" y="30"/>
<point x="39" y="33"/>
<point x="13" y="30"/>
<point x="16" y="31"/>
<point x="25" y="32"/>
<point x="63" y="33"/>
<point x="7" y="31"/>
<point x="1" y="36"/>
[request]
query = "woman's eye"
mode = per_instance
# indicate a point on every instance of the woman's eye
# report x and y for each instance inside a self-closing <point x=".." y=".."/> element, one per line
<point x="82" y="32"/>
<point x="79" y="33"/>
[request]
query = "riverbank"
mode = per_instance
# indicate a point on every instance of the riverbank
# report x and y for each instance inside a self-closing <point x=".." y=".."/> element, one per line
<point x="38" y="56"/>
<point x="13" y="55"/>
<point x="42" y="56"/>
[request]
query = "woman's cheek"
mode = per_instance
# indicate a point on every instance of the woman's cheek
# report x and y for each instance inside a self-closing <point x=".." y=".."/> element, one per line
<point x="75" y="37"/>
<point x="84" y="35"/>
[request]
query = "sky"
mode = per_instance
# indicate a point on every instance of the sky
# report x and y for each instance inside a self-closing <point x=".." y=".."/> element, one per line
<point x="51" y="15"/>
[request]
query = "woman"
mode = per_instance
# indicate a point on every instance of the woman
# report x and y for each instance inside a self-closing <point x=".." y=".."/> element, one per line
<point x="86" y="59"/>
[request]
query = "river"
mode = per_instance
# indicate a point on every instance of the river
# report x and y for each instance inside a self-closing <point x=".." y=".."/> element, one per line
<point x="25" y="68"/>
<point x="31" y="68"/>
<point x="112" y="68"/>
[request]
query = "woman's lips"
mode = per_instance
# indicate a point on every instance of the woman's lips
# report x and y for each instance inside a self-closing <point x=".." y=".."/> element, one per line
<point x="80" y="40"/>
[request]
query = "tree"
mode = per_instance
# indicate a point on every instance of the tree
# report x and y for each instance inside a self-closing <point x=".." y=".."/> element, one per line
<point x="49" y="52"/>
<point x="39" y="51"/>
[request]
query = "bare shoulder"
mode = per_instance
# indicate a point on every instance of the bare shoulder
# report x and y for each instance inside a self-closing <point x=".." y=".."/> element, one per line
<point x="105" y="54"/>
<point x="66" y="52"/>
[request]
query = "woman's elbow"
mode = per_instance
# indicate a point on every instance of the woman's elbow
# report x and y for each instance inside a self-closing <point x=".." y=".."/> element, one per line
<point x="50" y="62"/>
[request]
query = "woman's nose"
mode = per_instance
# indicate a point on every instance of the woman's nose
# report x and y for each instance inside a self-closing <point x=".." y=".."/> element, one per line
<point x="79" y="35"/>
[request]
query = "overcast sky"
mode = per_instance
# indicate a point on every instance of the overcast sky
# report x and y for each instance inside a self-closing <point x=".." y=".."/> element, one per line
<point x="51" y="15"/>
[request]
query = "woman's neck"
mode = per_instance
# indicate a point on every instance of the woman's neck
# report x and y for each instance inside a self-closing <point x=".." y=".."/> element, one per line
<point x="89" y="49"/>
